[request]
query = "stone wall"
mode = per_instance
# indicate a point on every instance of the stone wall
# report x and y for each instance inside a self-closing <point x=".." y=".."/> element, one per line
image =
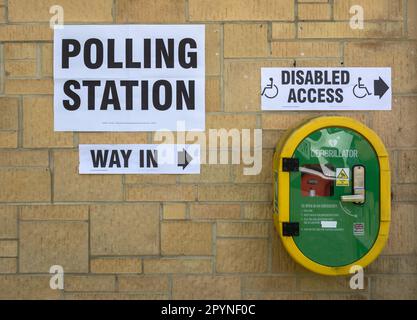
<point x="205" y="236"/>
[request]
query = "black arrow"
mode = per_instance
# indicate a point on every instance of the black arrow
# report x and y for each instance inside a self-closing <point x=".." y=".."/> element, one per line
<point x="380" y="87"/>
<point x="184" y="159"/>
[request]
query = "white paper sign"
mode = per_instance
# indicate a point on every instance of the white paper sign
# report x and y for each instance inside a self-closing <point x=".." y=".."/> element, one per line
<point x="129" y="77"/>
<point x="139" y="159"/>
<point x="334" y="89"/>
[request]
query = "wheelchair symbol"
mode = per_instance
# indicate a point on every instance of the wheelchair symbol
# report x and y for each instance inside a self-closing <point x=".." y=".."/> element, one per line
<point x="360" y="90"/>
<point x="271" y="90"/>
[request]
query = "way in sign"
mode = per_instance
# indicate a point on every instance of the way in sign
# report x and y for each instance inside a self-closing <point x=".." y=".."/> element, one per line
<point x="113" y="158"/>
<point x="139" y="159"/>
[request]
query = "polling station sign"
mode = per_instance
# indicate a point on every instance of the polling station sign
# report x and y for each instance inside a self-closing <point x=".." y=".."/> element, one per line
<point x="129" y="77"/>
<point x="139" y="159"/>
<point x="333" y="89"/>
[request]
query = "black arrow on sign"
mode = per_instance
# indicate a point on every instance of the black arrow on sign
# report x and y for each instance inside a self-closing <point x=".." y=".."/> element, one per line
<point x="184" y="159"/>
<point x="380" y="87"/>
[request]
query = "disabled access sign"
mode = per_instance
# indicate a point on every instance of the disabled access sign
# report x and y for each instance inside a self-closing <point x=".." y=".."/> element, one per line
<point x="285" y="89"/>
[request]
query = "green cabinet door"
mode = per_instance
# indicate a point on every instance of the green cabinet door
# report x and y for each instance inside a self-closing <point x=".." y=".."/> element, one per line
<point x="333" y="232"/>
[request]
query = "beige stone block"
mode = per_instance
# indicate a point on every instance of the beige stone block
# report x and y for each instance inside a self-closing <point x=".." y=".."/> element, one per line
<point x="226" y="192"/>
<point x="412" y="19"/>
<point x="242" y="229"/>
<point x="89" y="283"/>
<point x="174" y="211"/>
<point x="157" y="11"/>
<point x="178" y="265"/>
<point x="215" y="211"/>
<point x="124" y="229"/>
<point x="44" y="244"/>
<point x="407" y="264"/>
<point x="186" y="238"/>
<point x="209" y="173"/>
<point x="404" y="192"/>
<point x="25" y="184"/>
<point x="28" y="86"/>
<point x="257" y="211"/>
<point x="336" y="30"/>
<point x="246" y="40"/>
<point x="394" y="287"/>
<point x="213" y="95"/>
<point x="277" y="296"/>
<point x="69" y="185"/>
<point x="150" y="179"/>
<point x="47" y="59"/>
<point x="74" y="10"/>
<point x="143" y="283"/>
<point x="2" y="14"/>
<point x="20" y="68"/>
<point x="341" y="296"/>
<point x="24" y="158"/>
<point x="116" y="265"/>
<point x="230" y="121"/>
<point x="8" y="248"/>
<point x="230" y="10"/>
<point x="8" y="139"/>
<point x="54" y="212"/>
<point x="393" y="265"/>
<point x="114" y="296"/>
<point x="407" y="166"/>
<point x="26" y="32"/>
<point x="213" y="42"/>
<point x="161" y="193"/>
<point x="282" y="30"/>
<point x="393" y="166"/>
<point x="373" y="9"/>
<point x="9" y="113"/>
<point x="317" y="283"/>
<point x="27" y="287"/>
<point x="206" y="287"/>
<point x="13" y="50"/>
<point x="270" y="138"/>
<point x="113" y="137"/>
<point x="314" y="11"/>
<point x="8" y="222"/>
<point x="8" y="265"/>
<point x="400" y="56"/>
<point x="319" y="63"/>
<point x="306" y="49"/>
<point x="269" y="283"/>
<point x="242" y="255"/>
<point x="397" y="128"/>
<point x="402" y="237"/>
<point x="281" y="260"/>
<point x="38" y="125"/>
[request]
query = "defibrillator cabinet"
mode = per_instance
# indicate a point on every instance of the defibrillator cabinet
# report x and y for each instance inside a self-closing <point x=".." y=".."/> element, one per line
<point x="332" y="194"/>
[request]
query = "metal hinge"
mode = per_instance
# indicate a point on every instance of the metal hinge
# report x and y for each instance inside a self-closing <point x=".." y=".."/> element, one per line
<point x="290" y="229"/>
<point x="290" y="164"/>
